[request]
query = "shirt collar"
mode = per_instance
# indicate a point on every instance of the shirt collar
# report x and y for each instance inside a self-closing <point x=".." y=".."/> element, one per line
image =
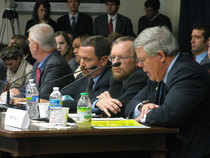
<point x="169" y="68"/>
<point x="200" y="57"/>
<point x="113" y="17"/>
<point x="42" y="62"/>
<point x="76" y="15"/>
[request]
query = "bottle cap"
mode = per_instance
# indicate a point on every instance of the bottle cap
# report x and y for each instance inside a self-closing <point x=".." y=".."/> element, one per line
<point x="31" y="80"/>
<point x="33" y="84"/>
<point x="55" y="88"/>
<point x="84" y="93"/>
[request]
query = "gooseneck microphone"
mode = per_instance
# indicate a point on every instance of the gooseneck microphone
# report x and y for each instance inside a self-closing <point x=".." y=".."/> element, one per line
<point x="105" y="66"/>
<point x="91" y="67"/>
<point x="8" y="92"/>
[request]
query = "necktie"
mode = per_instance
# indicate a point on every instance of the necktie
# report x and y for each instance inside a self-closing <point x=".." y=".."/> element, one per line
<point x="110" y="26"/>
<point x="38" y="76"/>
<point x="73" y="22"/>
<point x="90" y="86"/>
<point x="160" y="93"/>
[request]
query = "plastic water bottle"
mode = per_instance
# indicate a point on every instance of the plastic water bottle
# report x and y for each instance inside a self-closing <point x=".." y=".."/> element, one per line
<point x="28" y="86"/>
<point x="32" y="100"/>
<point x="84" y="112"/>
<point x="55" y="109"/>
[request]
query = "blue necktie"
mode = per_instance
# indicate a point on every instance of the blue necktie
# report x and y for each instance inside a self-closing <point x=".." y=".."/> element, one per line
<point x="161" y="93"/>
<point x="73" y="22"/>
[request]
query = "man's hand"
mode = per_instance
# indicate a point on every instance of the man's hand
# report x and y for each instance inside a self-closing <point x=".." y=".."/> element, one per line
<point x="103" y="95"/>
<point x="15" y="101"/>
<point x="145" y="109"/>
<point x="111" y="104"/>
<point x="44" y="101"/>
<point x="14" y="91"/>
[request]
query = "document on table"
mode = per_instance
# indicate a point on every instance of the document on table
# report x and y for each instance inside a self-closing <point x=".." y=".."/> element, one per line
<point x="114" y="124"/>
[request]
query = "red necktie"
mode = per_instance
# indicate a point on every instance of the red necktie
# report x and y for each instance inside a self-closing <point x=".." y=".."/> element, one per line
<point x="110" y="26"/>
<point x="38" y="76"/>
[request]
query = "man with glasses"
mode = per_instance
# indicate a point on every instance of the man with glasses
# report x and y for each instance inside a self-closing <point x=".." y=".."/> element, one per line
<point x="176" y="96"/>
<point x="127" y="79"/>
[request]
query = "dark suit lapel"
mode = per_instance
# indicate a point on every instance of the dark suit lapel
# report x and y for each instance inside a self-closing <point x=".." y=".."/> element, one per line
<point x="118" y="24"/>
<point x="105" y="25"/>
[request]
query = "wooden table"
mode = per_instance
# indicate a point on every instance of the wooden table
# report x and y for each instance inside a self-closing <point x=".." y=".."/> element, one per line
<point x="38" y="140"/>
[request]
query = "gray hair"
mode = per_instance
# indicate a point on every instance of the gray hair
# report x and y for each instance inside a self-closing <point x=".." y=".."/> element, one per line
<point x="43" y="34"/>
<point x="157" y="39"/>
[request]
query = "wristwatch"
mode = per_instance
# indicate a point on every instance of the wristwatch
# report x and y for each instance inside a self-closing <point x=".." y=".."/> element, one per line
<point x="142" y="104"/>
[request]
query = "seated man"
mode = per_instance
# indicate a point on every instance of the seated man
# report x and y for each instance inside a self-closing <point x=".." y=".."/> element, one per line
<point x="49" y="62"/>
<point x="127" y="79"/>
<point x="177" y="95"/>
<point x="93" y="51"/>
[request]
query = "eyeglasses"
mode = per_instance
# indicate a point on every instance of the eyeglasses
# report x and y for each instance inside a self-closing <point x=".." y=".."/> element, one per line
<point x="120" y="59"/>
<point x="140" y="60"/>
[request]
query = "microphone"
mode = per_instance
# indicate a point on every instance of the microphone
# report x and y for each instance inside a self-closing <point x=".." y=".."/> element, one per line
<point x="105" y="66"/>
<point x="91" y="67"/>
<point x="8" y="92"/>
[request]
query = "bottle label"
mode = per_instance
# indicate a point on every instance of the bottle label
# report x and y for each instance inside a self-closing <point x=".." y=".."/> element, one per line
<point x="55" y="103"/>
<point x="84" y="114"/>
<point x="32" y="98"/>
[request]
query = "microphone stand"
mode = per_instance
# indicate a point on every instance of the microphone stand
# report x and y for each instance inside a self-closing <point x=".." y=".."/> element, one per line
<point x="91" y="67"/>
<point x="115" y="65"/>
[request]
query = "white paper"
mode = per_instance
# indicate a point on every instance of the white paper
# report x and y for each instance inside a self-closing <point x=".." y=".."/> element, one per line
<point x="17" y="118"/>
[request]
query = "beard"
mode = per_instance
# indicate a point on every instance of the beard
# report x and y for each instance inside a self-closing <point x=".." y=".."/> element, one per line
<point x="123" y="74"/>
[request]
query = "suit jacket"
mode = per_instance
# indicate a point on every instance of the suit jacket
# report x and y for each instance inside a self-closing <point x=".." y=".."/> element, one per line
<point x="185" y="106"/>
<point x="54" y="67"/>
<point x="123" y="26"/>
<point x="84" y="23"/>
<point x="205" y="60"/>
<point x="32" y="22"/>
<point x="160" y="20"/>
<point x="80" y="86"/>
<point x="3" y="71"/>
<point x="126" y="90"/>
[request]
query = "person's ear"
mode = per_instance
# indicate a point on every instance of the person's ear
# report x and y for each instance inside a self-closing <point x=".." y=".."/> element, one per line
<point x="104" y="60"/>
<point x="162" y="56"/>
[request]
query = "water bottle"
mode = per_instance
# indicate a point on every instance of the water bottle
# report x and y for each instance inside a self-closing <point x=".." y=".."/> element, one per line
<point x="32" y="100"/>
<point x="55" y="108"/>
<point x="28" y="86"/>
<point x="84" y="112"/>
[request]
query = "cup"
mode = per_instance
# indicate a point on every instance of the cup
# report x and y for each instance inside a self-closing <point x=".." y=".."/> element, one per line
<point x="65" y="112"/>
<point x="44" y="110"/>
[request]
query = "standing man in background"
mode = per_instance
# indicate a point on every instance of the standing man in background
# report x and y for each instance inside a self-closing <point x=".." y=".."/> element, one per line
<point x="153" y="17"/>
<point x="112" y="21"/>
<point x="199" y="43"/>
<point x="74" y="21"/>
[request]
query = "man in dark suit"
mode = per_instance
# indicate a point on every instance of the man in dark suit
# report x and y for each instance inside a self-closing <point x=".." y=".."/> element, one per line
<point x="112" y="21"/>
<point x="93" y="51"/>
<point x="74" y="21"/>
<point x="184" y="100"/>
<point x="199" y="43"/>
<point x="50" y="63"/>
<point x="127" y="80"/>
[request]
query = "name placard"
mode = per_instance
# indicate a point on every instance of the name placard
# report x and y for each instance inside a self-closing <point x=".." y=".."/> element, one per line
<point x="17" y="118"/>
